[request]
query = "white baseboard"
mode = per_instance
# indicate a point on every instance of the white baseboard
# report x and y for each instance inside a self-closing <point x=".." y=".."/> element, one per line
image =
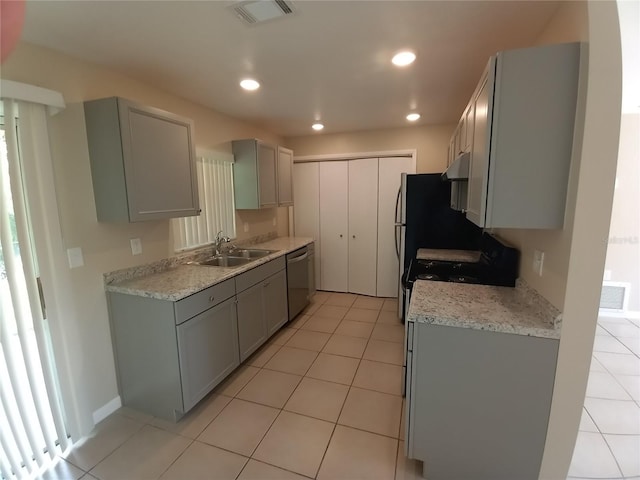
<point x="617" y="314"/>
<point x="107" y="409"/>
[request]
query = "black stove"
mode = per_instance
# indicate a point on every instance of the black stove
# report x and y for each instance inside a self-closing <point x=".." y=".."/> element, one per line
<point x="498" y="265"/>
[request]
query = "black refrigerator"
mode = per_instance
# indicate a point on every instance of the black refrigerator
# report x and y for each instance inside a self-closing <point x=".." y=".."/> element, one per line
<point x="424" y="219"/>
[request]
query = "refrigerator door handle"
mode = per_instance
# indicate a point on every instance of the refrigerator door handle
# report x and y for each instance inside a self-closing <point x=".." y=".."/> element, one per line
<point x="398" y="221"/>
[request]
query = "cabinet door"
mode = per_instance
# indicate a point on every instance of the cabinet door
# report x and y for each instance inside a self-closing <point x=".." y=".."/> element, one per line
<point x="306" y="209"/>
<point x="267" y="188"/>
<point x="334" y="198"/>
<point x="479" y="167"/>
<point x="285" y="177"/>
<point x="159" y="163"/>
<point x="363" y="225"/>
<point x="390" y="171"/>
<point x="207" y="350"/>
<point x="252" y="329"/>
<point x="468" y="126"/>
<point x="275" y="301"/>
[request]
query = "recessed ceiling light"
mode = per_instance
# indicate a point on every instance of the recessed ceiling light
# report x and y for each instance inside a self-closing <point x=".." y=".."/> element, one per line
<point x="412" y="117"/>
<point x="249" y="84"/>
<point x="317" y="126"/>
<point x="404" y="58"/>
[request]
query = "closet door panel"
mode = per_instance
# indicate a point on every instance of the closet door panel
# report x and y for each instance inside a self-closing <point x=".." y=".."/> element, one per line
<point x="363" y="225"/>
<point x="334" y="199"/>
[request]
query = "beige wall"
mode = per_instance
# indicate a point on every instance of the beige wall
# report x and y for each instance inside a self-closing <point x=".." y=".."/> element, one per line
<point x="106" y="246"/>
<point x="430" y="141"/>
<point x="592" y="193"/>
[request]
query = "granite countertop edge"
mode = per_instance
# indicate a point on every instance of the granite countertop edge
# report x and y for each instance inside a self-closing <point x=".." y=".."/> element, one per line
<point x="532" y="316"/>
<point x="173" y="279"/>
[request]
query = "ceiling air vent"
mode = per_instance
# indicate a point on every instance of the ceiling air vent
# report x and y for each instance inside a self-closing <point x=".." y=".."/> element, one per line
<point x="257" y="11"/>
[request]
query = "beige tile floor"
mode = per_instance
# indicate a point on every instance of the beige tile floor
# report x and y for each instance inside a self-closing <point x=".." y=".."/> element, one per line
<point x="608" y="444"/>
<point x="322" y="399"/>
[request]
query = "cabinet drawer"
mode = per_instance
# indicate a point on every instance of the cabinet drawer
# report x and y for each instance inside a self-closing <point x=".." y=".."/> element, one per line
<point x="258" y="274"/>
<point x="203" y="300"/>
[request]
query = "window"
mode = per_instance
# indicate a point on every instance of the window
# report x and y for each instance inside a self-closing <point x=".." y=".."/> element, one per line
<point x="215" y="184"/>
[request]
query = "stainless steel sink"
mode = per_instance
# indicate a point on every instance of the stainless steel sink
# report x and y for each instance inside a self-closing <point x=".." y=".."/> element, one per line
<point x="225" y="261"/>
<point x="251" y="253"/>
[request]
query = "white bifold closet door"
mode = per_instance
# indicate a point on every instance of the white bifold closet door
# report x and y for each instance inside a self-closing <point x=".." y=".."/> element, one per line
<point x="334" y="226"/>
<point x="363" y="226"/>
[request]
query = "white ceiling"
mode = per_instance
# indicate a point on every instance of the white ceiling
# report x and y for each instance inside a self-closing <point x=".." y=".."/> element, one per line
<point x="329" y="61"/>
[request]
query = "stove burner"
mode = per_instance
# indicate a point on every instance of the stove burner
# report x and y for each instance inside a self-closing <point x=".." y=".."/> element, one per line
<point x="428" y="276"/>
<point x="463" y="279"/>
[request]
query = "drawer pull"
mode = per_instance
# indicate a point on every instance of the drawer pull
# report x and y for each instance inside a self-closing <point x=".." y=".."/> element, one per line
<point x="212" y="298"/>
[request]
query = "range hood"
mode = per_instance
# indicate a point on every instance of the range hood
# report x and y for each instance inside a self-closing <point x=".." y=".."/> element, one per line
<point x="459" y="168"/>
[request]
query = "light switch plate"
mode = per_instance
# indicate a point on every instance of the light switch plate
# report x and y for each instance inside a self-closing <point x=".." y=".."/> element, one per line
<point x="246" y="227"/>
<point x="274" y="221"/>
<point x="75" y="258"/>
<point x="538" y="261"/>
<point x="136" y="246"/>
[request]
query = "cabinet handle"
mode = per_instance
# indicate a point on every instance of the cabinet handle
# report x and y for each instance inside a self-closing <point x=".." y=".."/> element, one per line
<point x="212" y="298"/>
<point x="340" y="236"/>
<point x="354" y="236"/>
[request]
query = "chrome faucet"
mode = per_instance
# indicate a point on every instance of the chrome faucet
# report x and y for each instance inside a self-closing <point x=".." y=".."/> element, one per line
<point x="219" y="241"/>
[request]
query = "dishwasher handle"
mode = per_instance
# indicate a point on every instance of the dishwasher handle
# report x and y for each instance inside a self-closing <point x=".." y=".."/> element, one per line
<point x="297" y="259"/>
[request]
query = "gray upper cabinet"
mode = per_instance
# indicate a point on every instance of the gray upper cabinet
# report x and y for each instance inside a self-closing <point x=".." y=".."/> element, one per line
<point x="142" y="161"/>
<point x="262" y="175"/>
<point x="525" y="108"/>
<point x="285" y="177"/>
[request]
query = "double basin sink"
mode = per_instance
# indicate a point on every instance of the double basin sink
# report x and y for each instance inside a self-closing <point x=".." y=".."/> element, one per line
<point x="235" y="257"/>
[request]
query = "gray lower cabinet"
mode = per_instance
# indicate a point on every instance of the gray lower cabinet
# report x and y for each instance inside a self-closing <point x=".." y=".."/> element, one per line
<point x="478" y="402"/>
<point x="262" y="304"/>
<point x="207" y="350"/>
<point x="275" y="302"/>
<point x="169" y="355"/>
<point x="252" y="329"/>
<point x="142" y="161"/>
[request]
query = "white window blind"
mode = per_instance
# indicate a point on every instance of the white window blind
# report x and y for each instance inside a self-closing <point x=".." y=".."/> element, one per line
<point x="215" y="185"/>
<point x="32" y="429"/>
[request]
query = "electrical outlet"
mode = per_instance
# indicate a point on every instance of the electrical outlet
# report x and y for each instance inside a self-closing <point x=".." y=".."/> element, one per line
<point x="246" y="227"/>
<point x="538" y="261"/>
<point x="136" y="246"/>
<point x="75" y="258"/>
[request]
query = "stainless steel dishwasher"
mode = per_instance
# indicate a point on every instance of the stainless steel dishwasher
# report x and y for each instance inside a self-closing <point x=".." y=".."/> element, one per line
<point x="298" y="287"/>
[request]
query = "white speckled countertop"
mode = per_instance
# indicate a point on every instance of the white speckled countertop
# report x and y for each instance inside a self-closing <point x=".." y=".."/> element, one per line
<point x="442" y="254"/>
<point x="520" y="310"/>
<point x="176" y="281"/>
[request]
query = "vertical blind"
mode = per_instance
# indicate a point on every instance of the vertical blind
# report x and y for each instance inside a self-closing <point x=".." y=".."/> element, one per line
<point x="215" y="185"/>
<point x="32" y="426"/>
